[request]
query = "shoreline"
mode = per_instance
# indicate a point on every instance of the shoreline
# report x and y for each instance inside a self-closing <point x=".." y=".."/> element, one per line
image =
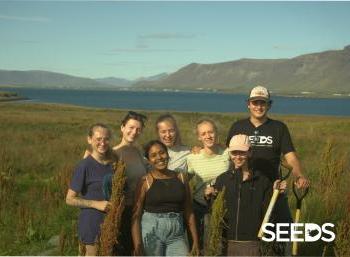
<point x="242" y="114"/>
<point x="309" y="95"/>
<point x="12" y="99"/>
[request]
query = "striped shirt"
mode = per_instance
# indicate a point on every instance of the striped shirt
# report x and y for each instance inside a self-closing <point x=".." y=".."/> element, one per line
<point x="205" y="169"/>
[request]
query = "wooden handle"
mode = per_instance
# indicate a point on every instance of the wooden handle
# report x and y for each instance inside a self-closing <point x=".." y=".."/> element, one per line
<point x="295" y="244"/>
<point x="268" y="211"/>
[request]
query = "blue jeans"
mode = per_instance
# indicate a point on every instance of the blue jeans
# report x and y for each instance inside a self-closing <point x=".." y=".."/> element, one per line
<point x="163" y="234"/>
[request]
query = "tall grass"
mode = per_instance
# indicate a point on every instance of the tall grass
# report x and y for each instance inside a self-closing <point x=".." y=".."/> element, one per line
<point x="40" y="144"/>
<point x="110" y="228"/>
<point x="214" y="244"/>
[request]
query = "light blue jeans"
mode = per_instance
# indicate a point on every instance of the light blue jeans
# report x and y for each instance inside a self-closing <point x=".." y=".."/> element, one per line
<point x="163" y="234"/>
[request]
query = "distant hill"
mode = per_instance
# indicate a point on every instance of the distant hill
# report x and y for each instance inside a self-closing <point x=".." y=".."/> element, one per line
<point x="46" y="79"/>
<point x="120" y="82"/>
<point x="325" y="72"/>
<point x="117" y="82"/>
<point x="154" y="77"/>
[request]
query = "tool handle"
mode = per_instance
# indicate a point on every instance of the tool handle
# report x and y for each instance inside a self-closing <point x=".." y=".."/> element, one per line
<point x="297" y="216"/>
<point x="295" y="244"/>
<point x="268" y="211"/>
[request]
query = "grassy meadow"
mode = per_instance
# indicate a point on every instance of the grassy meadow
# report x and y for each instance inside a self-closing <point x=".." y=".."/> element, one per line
<point x="41" y="143"/>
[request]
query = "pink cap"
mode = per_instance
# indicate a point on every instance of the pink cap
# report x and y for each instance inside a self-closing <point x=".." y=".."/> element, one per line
<point x="239" y="143"/>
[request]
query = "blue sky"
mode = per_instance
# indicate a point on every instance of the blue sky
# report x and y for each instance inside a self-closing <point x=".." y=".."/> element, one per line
<point x="134" y="39"/>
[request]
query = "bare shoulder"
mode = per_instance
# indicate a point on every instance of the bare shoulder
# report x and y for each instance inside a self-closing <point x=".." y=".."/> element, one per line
<point x="182" y="176"/>
<point x="147" y="181"/>
<point x="116" y="148"/>
<point x="86" y="153"/>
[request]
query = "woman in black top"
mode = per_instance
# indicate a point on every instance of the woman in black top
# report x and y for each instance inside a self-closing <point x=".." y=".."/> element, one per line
<point x="247" y="192"/>
<point x="162" y="202"/>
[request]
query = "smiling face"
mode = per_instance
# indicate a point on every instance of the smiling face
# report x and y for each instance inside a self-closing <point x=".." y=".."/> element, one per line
<point x="167" y="133"/>
<point x="240" y="158"/>
<point x="206" y="134"/>
<point x="131" y="130"/>
<point x="158" y="157"/>
<point x="99" y="141"/>
<point x="258" y="108"/>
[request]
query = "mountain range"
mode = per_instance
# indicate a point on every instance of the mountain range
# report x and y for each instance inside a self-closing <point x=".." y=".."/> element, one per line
<point x="325" y="72"/>
<point x="45" y="79"/>
<point x="320" y="73"/>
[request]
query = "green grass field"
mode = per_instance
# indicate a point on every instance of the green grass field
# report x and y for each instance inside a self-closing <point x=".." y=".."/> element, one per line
<point x="41" y="143"/>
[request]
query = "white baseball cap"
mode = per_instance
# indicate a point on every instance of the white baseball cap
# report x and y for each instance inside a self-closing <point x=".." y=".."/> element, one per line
<point x="259" y="93"/>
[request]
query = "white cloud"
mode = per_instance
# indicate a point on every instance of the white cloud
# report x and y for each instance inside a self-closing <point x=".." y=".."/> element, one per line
<point x="166" y="35"/>
<point x="22" y="18"/>
<point x="149" y="50"/>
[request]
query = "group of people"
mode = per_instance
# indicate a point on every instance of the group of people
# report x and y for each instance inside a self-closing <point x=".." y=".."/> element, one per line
<point x="164" y="215"/>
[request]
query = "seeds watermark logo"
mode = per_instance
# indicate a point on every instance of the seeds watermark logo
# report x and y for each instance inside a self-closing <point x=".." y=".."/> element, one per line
<point x="298" y="232"/>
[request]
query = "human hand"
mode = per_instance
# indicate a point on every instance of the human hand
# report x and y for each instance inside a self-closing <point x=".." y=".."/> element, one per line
<point x="196" y="149"/>
<point x="138" y="251"/>
<point x="302" y="182"/>
<point x="209" y="191"/>
<point x="195" y="250"/>
<point x="280" y="185"/>
<point x="102" y="205"/>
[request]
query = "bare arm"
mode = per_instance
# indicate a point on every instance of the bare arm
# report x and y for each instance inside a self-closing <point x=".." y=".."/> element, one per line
<point x="293" y="161"/>
<point x="190" y="219"/>
<point x="73" y="199"/>
<point x="136" y="217"/>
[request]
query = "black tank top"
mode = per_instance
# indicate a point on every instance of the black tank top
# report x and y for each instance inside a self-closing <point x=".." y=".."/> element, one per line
<point x="165" y="195"/>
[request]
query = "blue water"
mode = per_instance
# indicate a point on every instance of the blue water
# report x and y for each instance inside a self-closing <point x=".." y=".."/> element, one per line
<point x="183" y="101"/>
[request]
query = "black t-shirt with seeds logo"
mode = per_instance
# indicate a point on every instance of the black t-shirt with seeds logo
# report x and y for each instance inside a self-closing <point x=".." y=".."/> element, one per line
<point x="269" y="141"/>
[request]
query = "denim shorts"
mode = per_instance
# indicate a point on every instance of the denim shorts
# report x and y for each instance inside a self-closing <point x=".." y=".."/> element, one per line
<point x="163" y="234"/>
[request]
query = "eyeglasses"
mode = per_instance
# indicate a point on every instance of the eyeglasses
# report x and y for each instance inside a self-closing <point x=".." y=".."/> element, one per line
<point x="101" y="139"/>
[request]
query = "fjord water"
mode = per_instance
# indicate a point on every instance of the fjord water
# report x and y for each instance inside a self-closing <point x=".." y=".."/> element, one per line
<point x="183" y="101"/>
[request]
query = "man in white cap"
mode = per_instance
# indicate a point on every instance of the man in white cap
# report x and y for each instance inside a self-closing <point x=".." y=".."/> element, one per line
<point x="269" y="139"/>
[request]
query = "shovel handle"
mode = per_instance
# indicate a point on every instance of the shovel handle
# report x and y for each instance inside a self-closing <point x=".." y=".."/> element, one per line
<point x="297" y="216"/>
<point x="299" y="195"/>
<point x="295" y="244"/>
<point x="268" y="211"/>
